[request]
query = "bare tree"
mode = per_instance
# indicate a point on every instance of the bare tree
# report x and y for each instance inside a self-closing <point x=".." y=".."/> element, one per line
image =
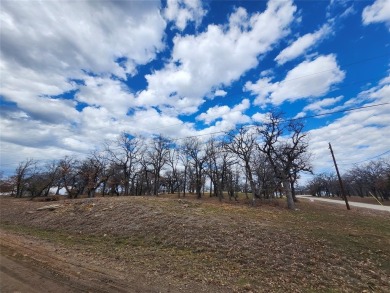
<point x="157" y="157"/>
<point x="174" y="176"/>
<point x="24" y="170"/>
<point x="70" y="176"/>
<point x="243" y="143"/>
<point x="7" y="184"/>
<point x="126" y="153"/>
<point x="370" y="179"/>
<point x="91" y="174"/>
<point x="220" y="168"/>
<point x="283" y="152"/>
<point x="266" y="180"/>
<point x="192" y="148"/>
<point x="43" y="179"/>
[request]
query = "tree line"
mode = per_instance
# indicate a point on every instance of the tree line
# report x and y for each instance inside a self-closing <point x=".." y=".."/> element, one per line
<point x="262" y="160"/>
<point x="370" y="179"/>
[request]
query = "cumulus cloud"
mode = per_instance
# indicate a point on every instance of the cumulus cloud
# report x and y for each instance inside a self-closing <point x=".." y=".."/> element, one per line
<point x="302" y="44"/>
<point x="220" y="93"/>
<point x="105" y="92"/>
<point x="225" y="117"/>
<point x="307" y="80"/>
<point x="320" y="105"/>
<point x="217" y="56"/>
<point x="368" y="127"/>
<point x="80" y="35"/>
<point x="150" y="121"/>
<point x="45" y="45"/>
<point x="225" y="113"/>
<point x="377" y="12"/>
<point x="213" y="113"/>
<point x="259" y="117"/>
<point x="182" y="12"/>
<point x="56" y="54"/>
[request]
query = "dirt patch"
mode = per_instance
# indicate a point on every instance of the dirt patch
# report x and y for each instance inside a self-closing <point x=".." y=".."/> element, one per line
<point x="184" y="244"/>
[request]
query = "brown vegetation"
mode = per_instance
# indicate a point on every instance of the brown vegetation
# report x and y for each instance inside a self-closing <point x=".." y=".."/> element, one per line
<point x="206" y="245"/>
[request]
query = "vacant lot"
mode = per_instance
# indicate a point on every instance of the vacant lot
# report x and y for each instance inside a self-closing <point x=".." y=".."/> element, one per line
<point x="149" y="244"/>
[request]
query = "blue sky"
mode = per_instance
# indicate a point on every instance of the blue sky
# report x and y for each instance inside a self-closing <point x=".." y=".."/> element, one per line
<point x="77" y="73"/>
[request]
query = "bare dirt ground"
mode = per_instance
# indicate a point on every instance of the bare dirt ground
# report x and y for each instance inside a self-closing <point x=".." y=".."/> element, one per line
<point x="149" y="244"/>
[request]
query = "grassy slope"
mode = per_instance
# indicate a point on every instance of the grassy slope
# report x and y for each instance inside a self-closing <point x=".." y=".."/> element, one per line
<point x="320" y="248"/>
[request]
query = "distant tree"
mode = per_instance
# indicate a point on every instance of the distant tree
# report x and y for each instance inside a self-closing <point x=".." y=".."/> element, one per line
<point x="157" y="157"/>
<point x="266" y="180"/>
<point x="173" y="175"/>
<point x="370" y="179"/>
<point x="70" y="176"/>
<point x="43" y="179"/>
<point x="24" y="170"/>
<point x="192" y="149"/>
<point x="301" y="164"/>
<point x="242" y="143"/>
<point x="215" y="165"/>
<point x="92" y="171"/>
<point x="7" y="184"/>
<point x="126" y="152"/>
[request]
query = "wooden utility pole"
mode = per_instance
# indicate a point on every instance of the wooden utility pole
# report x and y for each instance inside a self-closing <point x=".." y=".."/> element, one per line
<point x="340" y="181"/>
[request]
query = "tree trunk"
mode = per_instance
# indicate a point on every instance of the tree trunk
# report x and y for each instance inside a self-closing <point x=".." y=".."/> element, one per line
<point x="251" y="182"/>
<point x="290" y="200"/>
<point x="293" y="192"/>
<point x="185" y="181"/>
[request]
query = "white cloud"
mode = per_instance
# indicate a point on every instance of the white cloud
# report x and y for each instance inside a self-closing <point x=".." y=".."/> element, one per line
<point x="260" y="117"/>
<point x="105" y="92"/>
<point x="184" y="11"/>
<point x="347" y="12"/>
<point x="217" y="56"/>
<point x="302" y="44"/>
<point x="45" y="44"/>
<point x="225" y="118"/>
<point x="150" y="121"/>
<point x="358" y="135"/>
<point x="321" y="104"/>
<point x="220" y="93"/>
<point x="319" y="107"/>
<point x="334" y="8"/>
<point x="225" y="113"/>
<point x="377" y="12"/>
<point x="51" y="49"/>
<point x="213" y="113"/>
<point x="308" y="79"/>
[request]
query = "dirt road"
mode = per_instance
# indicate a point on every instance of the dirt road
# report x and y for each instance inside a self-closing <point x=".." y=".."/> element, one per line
<point x="353" y="204"/>
<point x="18" y="275"/>
<point x="27" y="266"/>
<point x="32" y="265"/>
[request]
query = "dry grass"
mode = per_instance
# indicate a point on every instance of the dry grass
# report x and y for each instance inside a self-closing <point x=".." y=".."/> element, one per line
<point x="233" y="246"/>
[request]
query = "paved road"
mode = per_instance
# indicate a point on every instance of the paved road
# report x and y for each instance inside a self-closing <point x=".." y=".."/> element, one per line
<point x="352" y="204"/>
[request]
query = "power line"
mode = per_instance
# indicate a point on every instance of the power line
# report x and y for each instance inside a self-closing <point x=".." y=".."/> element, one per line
<point x="290" y="119"/>
<point x="344" y="65"/>
<point x="285" y="120"/>
<point x="287" y="80"/>
<point x="369" y="159"/>
<point x="314" y="73"/>
<point x="339" y="111"/>
<point x="329" y="169"/>
<point x="234" y="111"/>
